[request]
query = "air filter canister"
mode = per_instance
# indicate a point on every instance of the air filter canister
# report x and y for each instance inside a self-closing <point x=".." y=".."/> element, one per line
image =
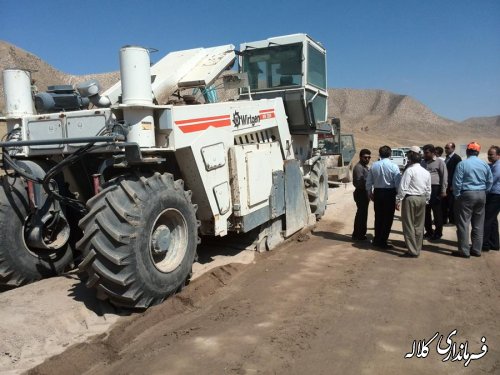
<point x="135" y="76"/>
<point x="17" y="90"/>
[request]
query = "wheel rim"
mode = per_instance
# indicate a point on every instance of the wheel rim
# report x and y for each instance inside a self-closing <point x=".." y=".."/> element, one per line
<point x="50" y="249"/>
<point x="168" y="240"/>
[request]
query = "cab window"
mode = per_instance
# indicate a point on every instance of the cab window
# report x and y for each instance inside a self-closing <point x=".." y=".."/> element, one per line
<point x="277" y="66"/>
<point x="316" y="67"/>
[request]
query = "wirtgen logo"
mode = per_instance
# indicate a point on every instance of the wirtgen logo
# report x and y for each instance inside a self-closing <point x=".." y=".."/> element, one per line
<point x="245" y="119"/>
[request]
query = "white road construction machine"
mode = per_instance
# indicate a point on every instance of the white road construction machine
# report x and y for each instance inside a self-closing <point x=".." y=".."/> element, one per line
<point x="127" y="180"/>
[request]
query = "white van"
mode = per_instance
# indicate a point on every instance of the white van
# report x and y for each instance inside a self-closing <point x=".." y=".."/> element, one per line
<point x="399" y="158"/>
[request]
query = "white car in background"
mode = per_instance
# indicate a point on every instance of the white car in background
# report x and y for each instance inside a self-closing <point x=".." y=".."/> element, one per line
<point x="399" y="158"/>
<point x="406" y="149"/>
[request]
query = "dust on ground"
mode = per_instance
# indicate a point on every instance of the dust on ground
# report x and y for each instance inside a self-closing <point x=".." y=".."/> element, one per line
<point x="42" y="319"/>
<point x="324" y="305"/>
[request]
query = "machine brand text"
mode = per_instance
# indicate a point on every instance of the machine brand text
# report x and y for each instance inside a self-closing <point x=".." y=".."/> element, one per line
<point x="245" y="119"/>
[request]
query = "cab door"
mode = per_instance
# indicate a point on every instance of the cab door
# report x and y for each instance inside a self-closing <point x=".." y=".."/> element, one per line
<point x="347" y="147"/>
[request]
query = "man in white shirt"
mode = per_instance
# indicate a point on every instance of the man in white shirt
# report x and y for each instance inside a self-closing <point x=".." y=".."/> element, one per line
<point x="414" y="191"/>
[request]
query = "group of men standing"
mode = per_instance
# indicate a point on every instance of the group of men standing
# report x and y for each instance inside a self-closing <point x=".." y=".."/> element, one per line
<point x="431" y="191"/>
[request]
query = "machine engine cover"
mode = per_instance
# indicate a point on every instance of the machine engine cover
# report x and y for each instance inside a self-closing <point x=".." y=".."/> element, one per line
<point x="60" y="98"/>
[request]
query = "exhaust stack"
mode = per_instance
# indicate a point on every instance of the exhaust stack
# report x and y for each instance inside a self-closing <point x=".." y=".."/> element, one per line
<point x="17" y="90"/>
<point x="137" y="95"/>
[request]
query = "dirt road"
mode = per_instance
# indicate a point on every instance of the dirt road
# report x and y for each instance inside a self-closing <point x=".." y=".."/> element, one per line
<point x="320" y="306"/>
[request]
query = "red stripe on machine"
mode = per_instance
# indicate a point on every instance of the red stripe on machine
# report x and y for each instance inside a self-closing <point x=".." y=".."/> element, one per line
<point x="202" y="119"/>
<point x="204" y="126"/>
<point x="266" y="114"/>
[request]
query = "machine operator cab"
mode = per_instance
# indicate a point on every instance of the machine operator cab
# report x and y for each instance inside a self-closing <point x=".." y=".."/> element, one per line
<point x="292" y="67"/>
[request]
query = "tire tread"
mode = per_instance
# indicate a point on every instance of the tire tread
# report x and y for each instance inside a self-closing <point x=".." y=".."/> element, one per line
<point x="110" y="234"/>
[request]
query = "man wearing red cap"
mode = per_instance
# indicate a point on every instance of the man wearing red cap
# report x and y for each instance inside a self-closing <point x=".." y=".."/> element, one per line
<point x="471" y="182"/>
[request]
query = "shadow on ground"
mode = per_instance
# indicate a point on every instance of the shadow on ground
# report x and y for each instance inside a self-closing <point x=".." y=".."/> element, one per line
<point x="4" y="288"/>
<point x="227" y="246"/>
<point x="399" y="245"/>
<point x="79" y="292"/>
<point x="209" y="248"/>
<point x="362" y="245"/>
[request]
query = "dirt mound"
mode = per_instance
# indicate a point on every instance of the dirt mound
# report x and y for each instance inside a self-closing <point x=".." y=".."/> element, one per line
<point x="106" y="347"/>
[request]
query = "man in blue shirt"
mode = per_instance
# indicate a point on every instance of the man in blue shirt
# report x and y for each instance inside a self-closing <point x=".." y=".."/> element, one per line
<point x="492" y="208"/>
<point x="381" y="185"/>
<point x="471" y="182"/>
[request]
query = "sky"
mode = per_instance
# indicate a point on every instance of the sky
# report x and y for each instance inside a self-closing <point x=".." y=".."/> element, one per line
<point x="443" y="53"/>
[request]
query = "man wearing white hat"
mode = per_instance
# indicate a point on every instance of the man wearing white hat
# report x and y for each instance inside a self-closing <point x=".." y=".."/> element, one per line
<point x="414" y="192"/>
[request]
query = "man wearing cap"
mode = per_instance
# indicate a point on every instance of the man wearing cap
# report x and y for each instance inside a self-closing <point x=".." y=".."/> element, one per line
<point x="471" y="182"/>
<point x="439" y="184"/>
<point x="414" y="192"/>
<point x="383" y="178"/>
<point x="492" y="207"/>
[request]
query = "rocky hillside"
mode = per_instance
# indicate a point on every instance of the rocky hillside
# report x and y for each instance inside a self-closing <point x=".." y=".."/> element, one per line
<point x="493" y="121"/>
<point x="42" y="73"/>
<point x="376" y="117"/>
<point x="394" y="108"/>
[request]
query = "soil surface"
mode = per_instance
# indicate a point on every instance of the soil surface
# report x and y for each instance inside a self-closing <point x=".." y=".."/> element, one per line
<point x="319" y="304"/>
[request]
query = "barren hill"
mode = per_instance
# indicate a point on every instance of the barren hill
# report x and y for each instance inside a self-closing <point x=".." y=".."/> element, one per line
<point x="493" y="121"/>
<point x="43" y="74"/>
<point x="376" y="117"/>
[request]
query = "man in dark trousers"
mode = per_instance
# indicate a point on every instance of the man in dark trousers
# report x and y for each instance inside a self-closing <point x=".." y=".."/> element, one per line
<point x="471" y="182"/>
<point x="439" y="183"/>
<point x="492" y="208"/>
<point x="359" y="174"/>
<point x="447" y="202"/>
<point x="381" y="185"/>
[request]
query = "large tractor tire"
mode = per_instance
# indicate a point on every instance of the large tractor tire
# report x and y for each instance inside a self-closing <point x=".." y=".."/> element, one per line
<point x="20" y="264"/>
<point x="140" y="239"/>
<point x="317" y="189"/>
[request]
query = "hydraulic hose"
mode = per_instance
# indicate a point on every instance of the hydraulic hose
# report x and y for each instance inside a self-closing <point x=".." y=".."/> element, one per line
<point x="46" y="181"/>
